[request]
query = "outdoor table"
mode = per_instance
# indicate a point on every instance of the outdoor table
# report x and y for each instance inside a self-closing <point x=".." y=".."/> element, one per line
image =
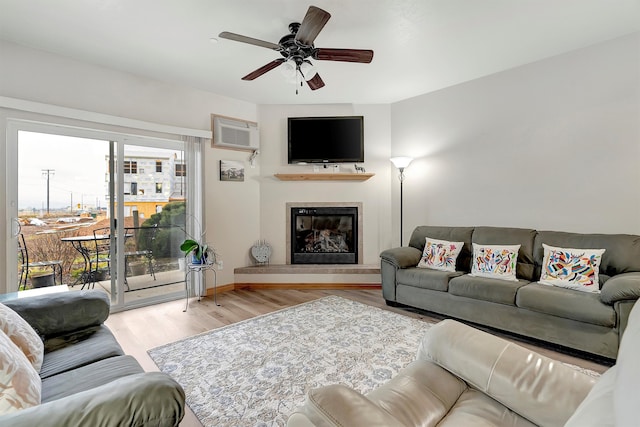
<point x="80" y="244"/>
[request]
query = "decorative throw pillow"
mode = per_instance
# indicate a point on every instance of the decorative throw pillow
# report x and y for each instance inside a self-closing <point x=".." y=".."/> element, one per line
<point x="440" y="254"/>
<point x="571" y="268"/>
<point x="495" y="261"/>
<point x="22" y="335"/>
<point x="20" y="384"/>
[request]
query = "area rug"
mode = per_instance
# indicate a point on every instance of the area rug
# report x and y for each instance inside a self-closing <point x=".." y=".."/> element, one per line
<point x="257" y="372"/>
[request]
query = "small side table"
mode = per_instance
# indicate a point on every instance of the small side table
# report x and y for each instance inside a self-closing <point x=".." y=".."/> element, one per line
<point x="200" y="269"/>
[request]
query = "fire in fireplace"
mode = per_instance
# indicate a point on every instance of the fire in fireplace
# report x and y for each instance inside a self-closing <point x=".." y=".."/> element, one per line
<point x="324" y="235"/>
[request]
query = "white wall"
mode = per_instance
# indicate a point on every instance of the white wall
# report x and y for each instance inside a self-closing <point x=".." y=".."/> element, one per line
<point x="373" y="193"/>
<point x="231" y="222"/>
<point x="550" y="145"/>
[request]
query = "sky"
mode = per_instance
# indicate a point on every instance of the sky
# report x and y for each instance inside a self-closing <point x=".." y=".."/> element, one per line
<point x="78" y="165"/>
<point x="79" y="171"/>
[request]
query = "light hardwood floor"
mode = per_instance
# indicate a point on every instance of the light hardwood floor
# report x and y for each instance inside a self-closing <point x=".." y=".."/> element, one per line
<point x="145" y="328"/>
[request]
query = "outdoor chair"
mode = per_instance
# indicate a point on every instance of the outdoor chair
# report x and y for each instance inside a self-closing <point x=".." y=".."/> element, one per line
<point x="143" y="238"/>
<point x="101" y="255"/>
<point x="26" y="265"/>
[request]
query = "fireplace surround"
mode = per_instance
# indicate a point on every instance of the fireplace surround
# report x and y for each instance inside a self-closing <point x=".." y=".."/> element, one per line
<point x="324" y="233"/>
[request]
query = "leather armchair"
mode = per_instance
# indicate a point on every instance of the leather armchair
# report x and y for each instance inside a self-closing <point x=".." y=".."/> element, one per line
<point x="466" y="377"/>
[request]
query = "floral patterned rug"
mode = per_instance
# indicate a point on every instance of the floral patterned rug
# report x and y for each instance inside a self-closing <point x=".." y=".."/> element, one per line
<point x="257" y="372"/>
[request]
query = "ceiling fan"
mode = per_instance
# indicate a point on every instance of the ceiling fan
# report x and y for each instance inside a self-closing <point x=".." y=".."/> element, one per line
<point x="297" y="49"/>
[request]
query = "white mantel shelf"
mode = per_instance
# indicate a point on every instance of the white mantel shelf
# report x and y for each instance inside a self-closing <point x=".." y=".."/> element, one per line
<point x="323" y="176"/>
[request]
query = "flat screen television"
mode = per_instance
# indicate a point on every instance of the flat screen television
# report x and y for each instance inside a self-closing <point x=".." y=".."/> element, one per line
<point x="326" y="139"/>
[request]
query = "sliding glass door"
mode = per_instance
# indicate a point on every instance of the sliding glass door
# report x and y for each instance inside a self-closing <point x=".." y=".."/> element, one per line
<point x="110" y="208"/>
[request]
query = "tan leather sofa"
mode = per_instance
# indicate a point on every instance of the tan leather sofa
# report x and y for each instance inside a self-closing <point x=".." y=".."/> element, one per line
<point x="465" y="377"/>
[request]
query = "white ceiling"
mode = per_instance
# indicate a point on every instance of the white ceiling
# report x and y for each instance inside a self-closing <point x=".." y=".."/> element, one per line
<point x="420" y="45"/>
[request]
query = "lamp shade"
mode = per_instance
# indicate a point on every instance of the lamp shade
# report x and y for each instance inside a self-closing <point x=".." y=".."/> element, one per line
<point x="401" y="162"/>
<point x="308" y="70"/>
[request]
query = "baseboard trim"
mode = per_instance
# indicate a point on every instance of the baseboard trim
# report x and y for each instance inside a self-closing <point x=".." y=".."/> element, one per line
<point x="298" y="286"/>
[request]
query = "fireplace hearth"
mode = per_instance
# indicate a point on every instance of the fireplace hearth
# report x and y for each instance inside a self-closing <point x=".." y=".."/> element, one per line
<point x="324" y="234"/>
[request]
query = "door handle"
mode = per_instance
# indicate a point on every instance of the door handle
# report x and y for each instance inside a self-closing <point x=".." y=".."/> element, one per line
<point x="16" y="227"/>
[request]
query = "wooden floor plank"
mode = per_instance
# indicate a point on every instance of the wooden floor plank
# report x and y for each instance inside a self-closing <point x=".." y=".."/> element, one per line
<point x="144" y="328"/>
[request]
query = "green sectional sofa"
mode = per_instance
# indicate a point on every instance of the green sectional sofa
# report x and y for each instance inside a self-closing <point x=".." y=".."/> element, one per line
<point x="86" y="380"/>
<point x="584" y="321"/>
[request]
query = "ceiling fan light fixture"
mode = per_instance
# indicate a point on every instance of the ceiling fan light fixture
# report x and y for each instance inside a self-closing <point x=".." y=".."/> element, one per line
<point x="308" y="70"/>
<point x="288" y="70"/>
<point x="297" y="48"/>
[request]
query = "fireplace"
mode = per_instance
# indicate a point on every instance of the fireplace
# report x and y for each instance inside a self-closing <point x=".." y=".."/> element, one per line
<point x="324" y="234"/>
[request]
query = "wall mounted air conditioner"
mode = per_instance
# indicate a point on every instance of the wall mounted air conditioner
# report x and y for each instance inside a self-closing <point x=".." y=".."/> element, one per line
<point x="234" y="133"/>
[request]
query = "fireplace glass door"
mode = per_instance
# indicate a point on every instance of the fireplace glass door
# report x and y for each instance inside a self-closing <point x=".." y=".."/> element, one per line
<point x="324" y="235"/>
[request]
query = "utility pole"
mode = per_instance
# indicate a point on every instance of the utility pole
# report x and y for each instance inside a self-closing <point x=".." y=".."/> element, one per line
<point x="48" y="173"/>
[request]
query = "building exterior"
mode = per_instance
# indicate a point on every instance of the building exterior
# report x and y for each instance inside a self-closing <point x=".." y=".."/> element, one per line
<point x="151" y="180"/>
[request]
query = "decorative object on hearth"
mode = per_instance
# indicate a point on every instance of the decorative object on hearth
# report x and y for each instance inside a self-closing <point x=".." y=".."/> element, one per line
<point x="359" y="169"/>
<point x="261" y="252"/>
<point x="297" y="50"/>
<point x="401" y="163"/>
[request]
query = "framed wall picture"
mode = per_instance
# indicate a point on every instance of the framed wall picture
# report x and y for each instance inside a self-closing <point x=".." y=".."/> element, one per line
<point x="231" y="170"/>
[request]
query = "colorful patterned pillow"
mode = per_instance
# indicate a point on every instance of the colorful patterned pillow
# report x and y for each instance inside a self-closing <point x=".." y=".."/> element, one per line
<point x="571" y="268"/>
<point x="22" y="335"/>
<point x="495" y="261"/>
<point x="440" y="254"/>
<point x="20" y="384"/>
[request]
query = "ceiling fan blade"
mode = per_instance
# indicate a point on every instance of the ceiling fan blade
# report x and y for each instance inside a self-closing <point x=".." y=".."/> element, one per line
<point x="250" y="40"/>
<point x="316" y="82"/>
<point x="311" y="25"/>
<point x="345" y="55"/>
<point x="260" y="71"/>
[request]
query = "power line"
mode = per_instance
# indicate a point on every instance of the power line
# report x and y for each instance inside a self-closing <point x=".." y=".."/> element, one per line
<point x="48" y="172"/>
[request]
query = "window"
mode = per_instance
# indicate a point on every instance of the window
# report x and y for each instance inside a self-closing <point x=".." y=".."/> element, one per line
<point x="130" y="166"/>
<point x="158" y="187"/>
<point x="158" y="165"/>
<point x="181" y="170"/>
<point x="134" y="188"/>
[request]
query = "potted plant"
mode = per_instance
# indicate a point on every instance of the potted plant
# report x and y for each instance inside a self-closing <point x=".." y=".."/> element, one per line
<point x="198" y="251"/>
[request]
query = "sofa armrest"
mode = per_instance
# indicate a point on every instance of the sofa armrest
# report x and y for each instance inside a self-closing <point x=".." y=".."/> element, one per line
<point x="625" y="286"/>
<point x="403" y="257"/>
<point x="62" y="312"/>
<point x="146" y="399"/>
<point x="338" y="405"/>
<point x="538" y="388"/>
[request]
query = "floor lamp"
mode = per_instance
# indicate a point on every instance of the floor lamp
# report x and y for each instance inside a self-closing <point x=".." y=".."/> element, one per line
<point x="401" y="163"/>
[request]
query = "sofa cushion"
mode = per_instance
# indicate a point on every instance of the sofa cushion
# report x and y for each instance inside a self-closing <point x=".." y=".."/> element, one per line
<point x="428" y="279"/>
<point x="581" y="306"/>
<point x="570" y="268"/>
<point x="511" y="236"/>
<point x="486" y="289"/>
<point x="19" y="382"/>
<point x="495" y="261"/>
<point x="71" y="351"/>
<point x="88" y="377"/>
<point x="22" y="335"/>
<point x="440" y="254"/>
<point x="62" y="312"/>
<point x="622" y="250"/>
<point x="452" y="234"/>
